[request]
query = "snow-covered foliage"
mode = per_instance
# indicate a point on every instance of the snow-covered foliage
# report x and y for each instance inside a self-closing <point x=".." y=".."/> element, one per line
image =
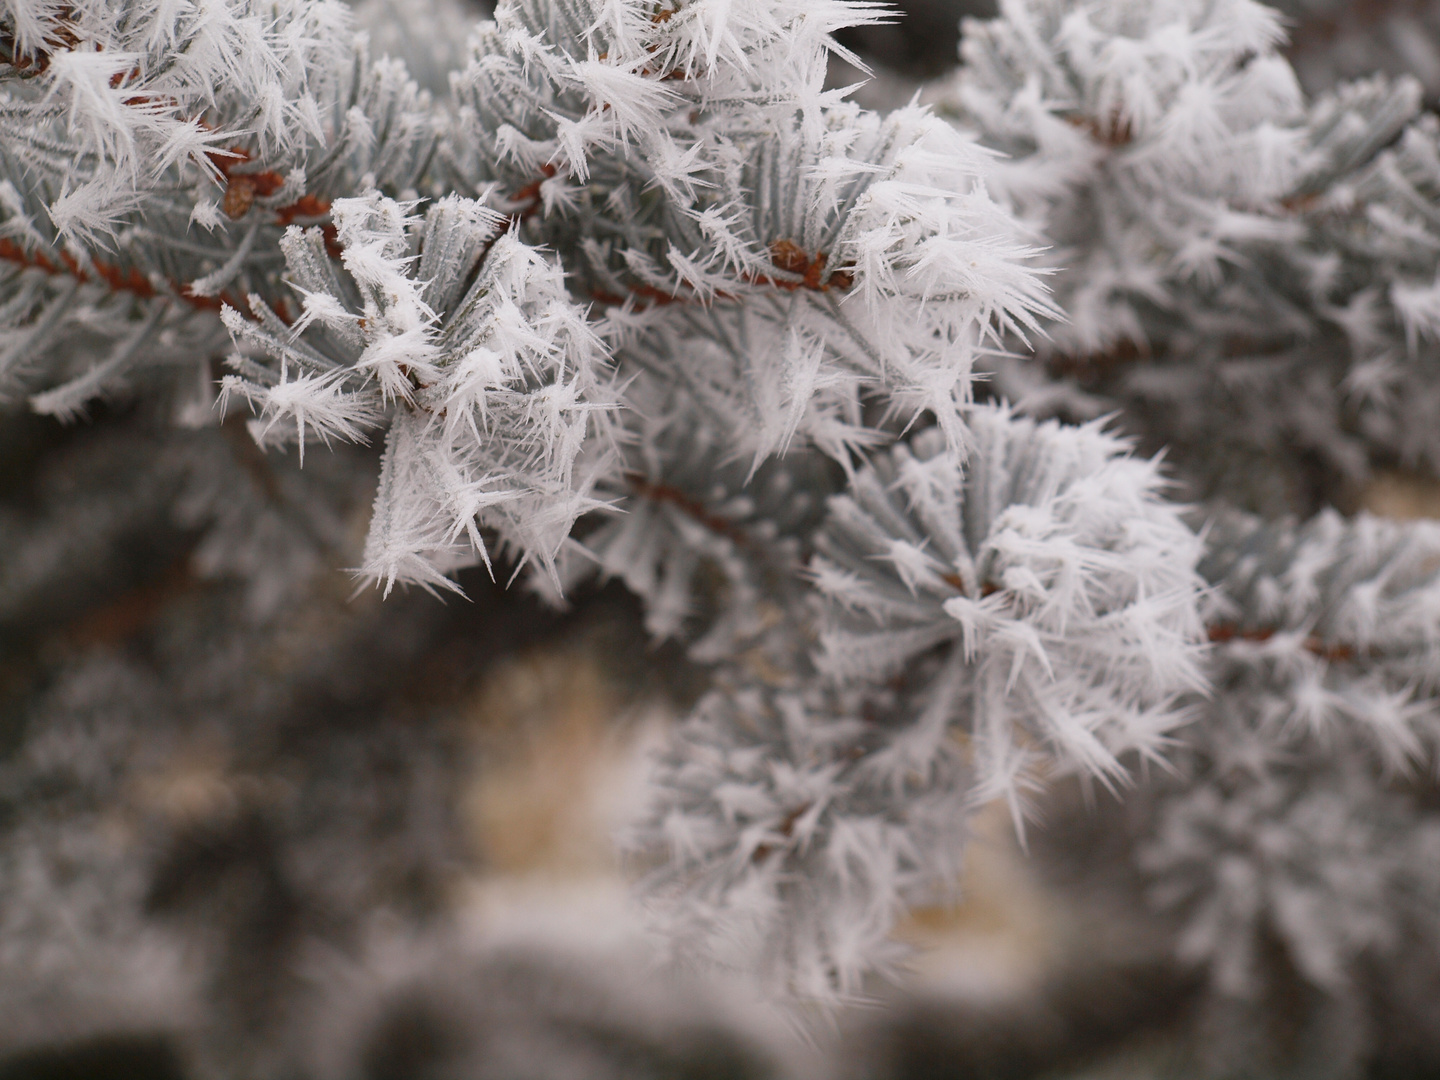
<point x="1296" y="874"/>
<point x="126" y="289"/>
<point x="73" y="769"/>
<point x="1328" y="625"/>
<point x="1284" y="844"/>
<point x="714" y="551"/>
<point x="625" y="292"/>
<point x="762" y="244"/>
<point x="493" y="383"/>
<point x="1141" y="131"/>
<point x="1227" y="247"/>
<point x="104" y="99"/>
<point x="1303" y="847"/>
<point x="1041" y="597"/>
<point x="985" y="626"/>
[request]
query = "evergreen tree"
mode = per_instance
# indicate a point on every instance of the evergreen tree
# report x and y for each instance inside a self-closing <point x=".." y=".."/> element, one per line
<point x="968" y="449"/>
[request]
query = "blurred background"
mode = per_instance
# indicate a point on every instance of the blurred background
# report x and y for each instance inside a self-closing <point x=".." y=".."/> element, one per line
<point x="252" y="824"/>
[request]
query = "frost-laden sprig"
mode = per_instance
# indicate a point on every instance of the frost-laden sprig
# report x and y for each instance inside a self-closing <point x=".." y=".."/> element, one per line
<point x="1041" y="598"/>
<point x="577" y="85"/>
<point x="838" y="257"/>
<point x="771" y="252"/>
<point x="788" y="842"/>
<point x="82" y="322"/>
<point x="1284" y="824"/>
<point x="132" y="89"/>
<point x="72" y="339"/>
<point x="461" y="336"/>
<point x="1228" y="249"/>
<point x="1329" y="625"/>
<point x="1145" y="139"/>
<point x="1297" y="874"/>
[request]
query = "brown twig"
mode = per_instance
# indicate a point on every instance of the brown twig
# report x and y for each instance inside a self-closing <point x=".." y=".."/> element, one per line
<point x="659" y="492"/>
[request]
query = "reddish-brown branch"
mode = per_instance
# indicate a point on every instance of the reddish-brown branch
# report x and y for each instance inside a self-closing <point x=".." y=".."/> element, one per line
<point x="784" y="254"/>
<point x="1114" y="132"/>
<point x="528" y="197"/>
<point x="127" y="280"/>
<point x="1335" y="652"/>
<point x="956" y="582"/>
<point x="241" y="191"/>
<point x="13" y="252"/>
<point x="1299" y="204"/>
<point x="790" y="257"/>
<point x="307" y="206"/>
<point x="1098" y="364"/>
<point x="243" y="188"/>
<point x="658" y="297"/>
<point x="786" y="828"/>
<point x="658" y="492"/>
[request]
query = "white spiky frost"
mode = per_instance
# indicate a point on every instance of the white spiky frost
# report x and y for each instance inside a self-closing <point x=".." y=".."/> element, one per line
<point x="102" y="245"/>
<point x="1309" y="850"/>
<point x="464" y="338"/>
<point x="1284" y="823"/>
<point x="132" y="83"/>
<point x="1240" y="268"/>
<point x="840" y="255"/>
<point x="1169" y="124"/>
<point x="780" y="254"/>
<point x="1041" y="598"/>
<point x="643" y="261"/>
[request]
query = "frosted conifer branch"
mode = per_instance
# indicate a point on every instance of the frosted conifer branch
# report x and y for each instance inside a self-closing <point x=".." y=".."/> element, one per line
<point x="788" y="849"/>
<point x="836" y="261"/>
<point x="1304" y="846"/>
<point x="1327" y="626"/>
<point x="775" y="261"/>
<point x="1284" y="824"/>
<point x="1289" y="866"/>
<point x="642" y="263"/>
<point x="1042" y="598"/>
<point x="464" y="338"/>
<point x="1228" y="248"/>
<point x="194" y="237"/>
<point x="133" y="89"/>
<point x="714" y="552"/>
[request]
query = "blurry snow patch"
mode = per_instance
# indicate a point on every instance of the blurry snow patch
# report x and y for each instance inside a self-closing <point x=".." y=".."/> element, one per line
<point x="429" y="36"/>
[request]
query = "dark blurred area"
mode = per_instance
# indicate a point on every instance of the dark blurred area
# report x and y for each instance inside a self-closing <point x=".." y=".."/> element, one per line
<point x="922" y="41"/>
<point x="255" y="825"/>
<point x="216" y="763"/>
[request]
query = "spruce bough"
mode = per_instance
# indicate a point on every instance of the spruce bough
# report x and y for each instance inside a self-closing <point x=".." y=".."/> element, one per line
<point x="636" y="296"/>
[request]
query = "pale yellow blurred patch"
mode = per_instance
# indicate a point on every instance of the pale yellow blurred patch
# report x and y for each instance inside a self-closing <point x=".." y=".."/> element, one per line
<point x="1403" y="496"/>
<point x="558" y="763"/>
<point x="1005" y="935"/>
<point x="194" y="785"/>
